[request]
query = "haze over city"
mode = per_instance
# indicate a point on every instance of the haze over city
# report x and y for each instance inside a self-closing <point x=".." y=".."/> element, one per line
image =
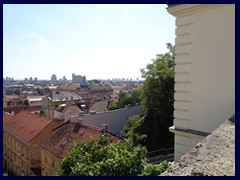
<point x="98" y="41"/>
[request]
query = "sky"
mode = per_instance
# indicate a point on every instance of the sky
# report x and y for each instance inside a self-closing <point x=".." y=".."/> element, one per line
<point x="98" y="41"/>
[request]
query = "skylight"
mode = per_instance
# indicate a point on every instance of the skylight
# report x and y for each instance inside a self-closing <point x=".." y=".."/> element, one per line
<point x="64" y="142"/>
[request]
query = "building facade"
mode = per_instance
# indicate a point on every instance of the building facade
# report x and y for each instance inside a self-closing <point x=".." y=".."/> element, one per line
<point x="22" y="135"/>
<point x="56" y="146"/>
<point x="53" y="100"/>
<point x="205" y="71"/>
<point x="65" y="111"/>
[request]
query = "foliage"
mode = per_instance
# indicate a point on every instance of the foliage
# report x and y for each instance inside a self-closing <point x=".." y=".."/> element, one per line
<point x="131" y="130"/>
<point x="155" y="169"/>
<point x="126" y="99"/>
<point x="157" y="90"/>
<point x="157" y="99"/>
<point x="102" y="158"/>
<point x="129" y="98"/>
<point x="113" y="106"/>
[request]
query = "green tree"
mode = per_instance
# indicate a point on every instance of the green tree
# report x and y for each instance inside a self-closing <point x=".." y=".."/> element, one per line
<point x="113" y="106"/>
<point x="157" y="99"/>
<point x="102" y="158"/>
<point x="131" y="130"/>
<point x="129" y="98"/>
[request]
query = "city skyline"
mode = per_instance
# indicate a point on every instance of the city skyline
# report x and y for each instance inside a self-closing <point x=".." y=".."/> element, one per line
<point x="98" y="41"/>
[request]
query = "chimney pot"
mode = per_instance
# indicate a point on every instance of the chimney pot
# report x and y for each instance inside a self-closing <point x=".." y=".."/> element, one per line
<point x="105" y="127"/>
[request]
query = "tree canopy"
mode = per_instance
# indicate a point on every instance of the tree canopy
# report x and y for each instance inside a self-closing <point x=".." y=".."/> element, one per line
<point x="126" y="99"/>
<point x="102" y="158"/>
<point x="157" y="102"/>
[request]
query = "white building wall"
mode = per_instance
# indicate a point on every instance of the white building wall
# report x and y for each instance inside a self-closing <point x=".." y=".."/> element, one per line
<point x="213" y="67"/>
<point x="205" y="71"/>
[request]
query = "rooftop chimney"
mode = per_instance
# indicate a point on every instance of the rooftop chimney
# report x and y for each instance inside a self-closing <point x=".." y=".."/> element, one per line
<point x="12" y="113"/>
<point x="105" y="128"/>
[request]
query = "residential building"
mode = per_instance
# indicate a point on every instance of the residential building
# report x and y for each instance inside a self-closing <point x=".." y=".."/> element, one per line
<point x="56" y="146"/>
<point x="99" y="106"/>
<point x="6" y="118"/>
<point x="70" y="86"/>
<point x="204" y="72"/>
<point x="22" y="135"/>
<point x="115" y="119"/>
<point x="48" y="90"/>
<point x="66" y="110"/>
<point x="53" y="100"/>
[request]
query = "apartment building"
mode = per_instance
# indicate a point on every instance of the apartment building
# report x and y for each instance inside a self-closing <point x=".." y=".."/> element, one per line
<point x="56" y="146"/>
<point x="21" y="138"/>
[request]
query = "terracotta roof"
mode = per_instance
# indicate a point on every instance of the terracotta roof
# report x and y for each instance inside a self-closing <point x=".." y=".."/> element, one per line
<point x="101" y="87"/>
<point x="6" y="117"/>
<point x="18" y="109"/>
<point x="26" y="125"/>
<point x="60" y="141"/>
<point x="65" y="108"/>
<point x="70" y="86"/>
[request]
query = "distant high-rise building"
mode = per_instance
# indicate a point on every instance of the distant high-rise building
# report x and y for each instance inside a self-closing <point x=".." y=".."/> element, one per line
<point x="79" y="79"/>
<point x="31" y="79"/>
<point x="64" y="79"/>
<point x="26" y="79"/>
<point x="54" y="78"/>
<point x="35" y="79"/>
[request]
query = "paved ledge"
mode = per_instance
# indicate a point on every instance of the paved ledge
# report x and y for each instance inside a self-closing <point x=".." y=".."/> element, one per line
<point x="213" y="156"/>
<point x="190" y="131"/>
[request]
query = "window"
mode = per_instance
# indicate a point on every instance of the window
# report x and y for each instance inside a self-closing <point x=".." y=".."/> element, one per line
<point x="45" y="158"/>
<point x="19" y="147"/>
<point x="15" y="158"/>
<point x="26" y="167"/>
<point x="15" y="145"/>
<point x="27" y="154"/>
<point x="53" y="164"/>
<point x="22" y="164"/>
<point x="18" y="161"/>
<point x="22" y="150"/>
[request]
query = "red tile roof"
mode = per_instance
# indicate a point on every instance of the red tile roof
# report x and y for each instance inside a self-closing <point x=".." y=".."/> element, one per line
<point x="6" y="117"/>
<point x="18" y="109"/>
<point x="60" y="141"/>
<point x="65" y="108"/>
<point x="26" y="125"/>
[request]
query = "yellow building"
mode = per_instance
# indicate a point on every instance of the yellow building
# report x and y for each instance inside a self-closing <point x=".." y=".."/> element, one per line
<point x="56" y="146"/>
<point x="22" y="135"/>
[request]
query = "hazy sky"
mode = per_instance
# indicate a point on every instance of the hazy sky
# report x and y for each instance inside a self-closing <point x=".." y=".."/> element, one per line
<point x="98" y="41"/>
